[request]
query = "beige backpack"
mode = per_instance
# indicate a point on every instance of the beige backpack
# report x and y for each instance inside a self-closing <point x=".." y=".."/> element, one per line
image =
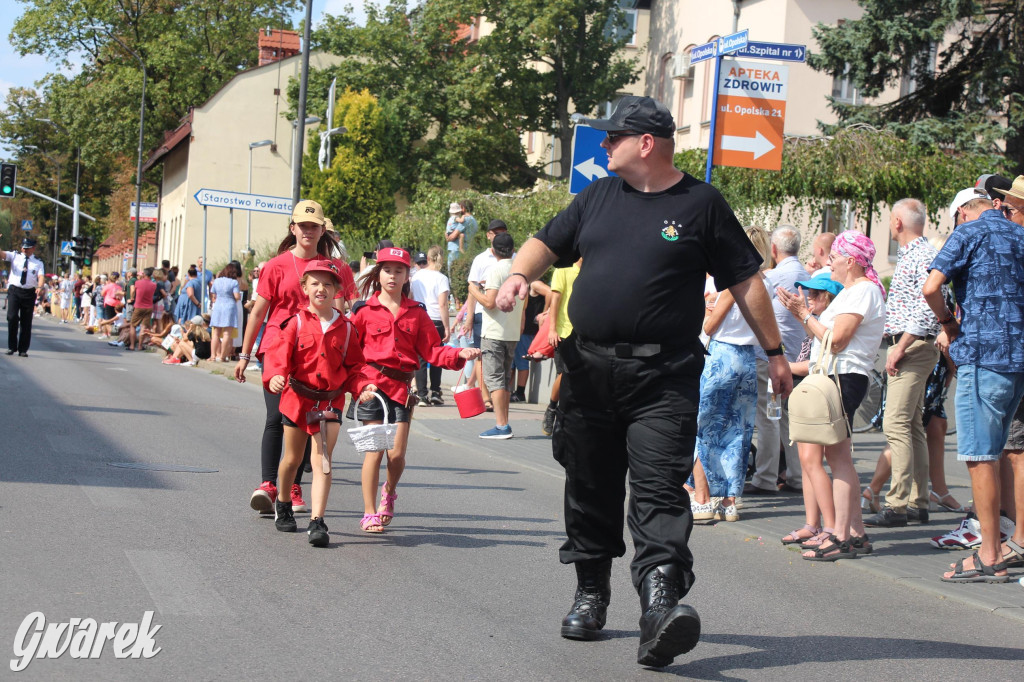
<point x="816" y="404"/>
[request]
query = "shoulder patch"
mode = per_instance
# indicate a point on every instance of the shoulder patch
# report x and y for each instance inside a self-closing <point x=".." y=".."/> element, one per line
<point x="421" y="305"/>
<point x="357" y="306"/>
<point x="286" y="321"/>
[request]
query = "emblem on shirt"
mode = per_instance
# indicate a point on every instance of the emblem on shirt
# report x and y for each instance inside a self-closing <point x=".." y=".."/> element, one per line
<point x="669" y="233"/>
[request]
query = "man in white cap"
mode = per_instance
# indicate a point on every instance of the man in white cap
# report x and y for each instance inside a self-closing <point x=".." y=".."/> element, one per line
<point x="26" y="277"/>
<point x="455" y="233"/>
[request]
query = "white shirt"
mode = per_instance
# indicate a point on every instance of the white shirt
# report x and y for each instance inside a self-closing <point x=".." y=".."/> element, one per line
<point x="480" y="267"/>
<point x="498" y="325"/>
<point x="18" y="262"/>
<point x="734" y="329"/>
<point x="865" y="299"/>
<point x="427" y="286"/>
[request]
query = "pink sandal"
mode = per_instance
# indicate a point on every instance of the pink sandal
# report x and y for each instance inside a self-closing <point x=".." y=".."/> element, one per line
<point x="386" y="510"/>
<point x="795" y="536"/>
<point x="371" y="521"/>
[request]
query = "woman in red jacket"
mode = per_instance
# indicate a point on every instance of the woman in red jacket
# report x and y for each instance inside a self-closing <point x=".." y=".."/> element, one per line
<point x="278" y="297"/>
<point x="313" y="361"/>
<point x="395" y="331"/>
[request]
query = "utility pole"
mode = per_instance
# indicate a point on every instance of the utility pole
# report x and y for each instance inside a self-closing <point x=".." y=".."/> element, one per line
<point x="300" y="133"/>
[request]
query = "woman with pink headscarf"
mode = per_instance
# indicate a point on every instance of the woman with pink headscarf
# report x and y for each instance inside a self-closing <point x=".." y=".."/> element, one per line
<point x="857" y="319"/>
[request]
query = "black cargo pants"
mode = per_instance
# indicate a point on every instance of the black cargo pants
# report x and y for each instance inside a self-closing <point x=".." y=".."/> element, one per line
<point x="635" y="415"/>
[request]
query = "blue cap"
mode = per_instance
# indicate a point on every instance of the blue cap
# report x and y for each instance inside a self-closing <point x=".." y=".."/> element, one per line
<point x="822" y="282"/>
<point x="28" y="243"/>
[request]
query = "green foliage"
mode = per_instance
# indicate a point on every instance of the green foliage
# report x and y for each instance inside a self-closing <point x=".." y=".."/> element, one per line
<point x="465" y="104"/>
<point x="861" y="165"/>
<point x="965" y="57"/>
<point x="358" y="189"/>
<point x="190" y="49"/>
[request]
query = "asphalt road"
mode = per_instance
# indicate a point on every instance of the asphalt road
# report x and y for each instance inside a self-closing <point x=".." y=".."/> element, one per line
<point x="464" y="585"/>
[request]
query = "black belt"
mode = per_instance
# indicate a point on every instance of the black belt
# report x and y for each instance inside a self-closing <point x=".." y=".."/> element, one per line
<point x="637" y="350"/>
<point x="391" y="373"/>
<point x="311" y="393"/>
<point x="893" y="339"/>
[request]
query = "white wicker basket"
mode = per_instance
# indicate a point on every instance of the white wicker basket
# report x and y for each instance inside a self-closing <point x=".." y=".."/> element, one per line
<point x="375" y="437"/>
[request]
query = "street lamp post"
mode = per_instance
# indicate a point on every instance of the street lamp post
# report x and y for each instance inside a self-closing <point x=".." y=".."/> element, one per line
<point x="248" y="216"/>
<point x="142" y="129"/>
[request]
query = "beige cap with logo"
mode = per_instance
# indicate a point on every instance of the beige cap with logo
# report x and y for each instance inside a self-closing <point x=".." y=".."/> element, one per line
<point x="308" y="211"/>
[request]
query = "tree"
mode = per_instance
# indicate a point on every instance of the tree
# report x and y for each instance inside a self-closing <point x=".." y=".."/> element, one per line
<point x="553" y="57"/>
<point x="465" y="103"/>
<point x="358" y="189"/>
<point x="961" y="60"/>
<point x="190" y="49"/>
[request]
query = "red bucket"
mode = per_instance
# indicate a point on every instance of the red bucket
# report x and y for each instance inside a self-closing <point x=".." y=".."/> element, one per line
<point x="470" y="401"/>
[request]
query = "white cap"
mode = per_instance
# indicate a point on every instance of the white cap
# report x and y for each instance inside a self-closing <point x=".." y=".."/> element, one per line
<point x="965" y="195"/>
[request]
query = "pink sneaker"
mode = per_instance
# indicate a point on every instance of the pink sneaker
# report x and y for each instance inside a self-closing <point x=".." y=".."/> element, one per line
<point x="298" y="504"/>
<point x="264" y="497"/>
<point x="171" y="361"/>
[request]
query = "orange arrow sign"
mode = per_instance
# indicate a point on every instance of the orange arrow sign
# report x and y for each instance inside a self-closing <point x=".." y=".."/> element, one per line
<point x="751" y="115"/>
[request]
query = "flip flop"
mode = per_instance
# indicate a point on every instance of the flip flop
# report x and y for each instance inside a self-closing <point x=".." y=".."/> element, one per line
<point x="979" y="574"/>
<point x="371" y="521"/>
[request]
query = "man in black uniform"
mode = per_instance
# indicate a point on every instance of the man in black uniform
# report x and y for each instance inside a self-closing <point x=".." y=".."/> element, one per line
<point x="27" y="274"/>
<point x="631" y="389"/>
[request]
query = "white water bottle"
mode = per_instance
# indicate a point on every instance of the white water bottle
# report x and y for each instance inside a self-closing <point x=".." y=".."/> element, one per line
<point x="774" y="411"/>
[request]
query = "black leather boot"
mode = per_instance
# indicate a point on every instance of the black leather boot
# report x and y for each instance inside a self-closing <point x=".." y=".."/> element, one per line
<point x="667" y="628"/>
<point x="590" y="608"/>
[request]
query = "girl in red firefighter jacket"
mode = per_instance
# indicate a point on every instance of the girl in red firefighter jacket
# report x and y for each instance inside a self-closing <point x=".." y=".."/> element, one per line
<point x="313" y="360"/>
<point x="395" y="332"/>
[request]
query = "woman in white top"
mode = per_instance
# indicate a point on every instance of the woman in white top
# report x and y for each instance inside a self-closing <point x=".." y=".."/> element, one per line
<point x="431" y="287"/>
<point x="728" y="401"/>
<point x="857" y="319"/>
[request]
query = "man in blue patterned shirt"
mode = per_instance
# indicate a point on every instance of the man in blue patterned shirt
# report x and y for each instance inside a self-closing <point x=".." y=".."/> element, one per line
<point x="984" y="259"/>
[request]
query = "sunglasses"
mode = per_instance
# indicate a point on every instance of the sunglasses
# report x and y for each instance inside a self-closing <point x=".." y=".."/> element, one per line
<point x="1008" y="210"/>
<point x="614" y="137"/>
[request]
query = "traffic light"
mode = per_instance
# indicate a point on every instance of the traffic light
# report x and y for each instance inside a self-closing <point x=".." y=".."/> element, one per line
<point x="81" y="248"/>
<point x="8" y="180"/>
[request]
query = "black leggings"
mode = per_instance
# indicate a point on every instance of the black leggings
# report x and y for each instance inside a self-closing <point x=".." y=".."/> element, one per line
<point x="435" y="371"/>
<point x="273" y="440"/>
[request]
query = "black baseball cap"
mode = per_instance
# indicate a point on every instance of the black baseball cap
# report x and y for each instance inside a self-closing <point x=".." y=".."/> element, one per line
<point x="640" y="115"/>
<point x="420" y="258"/>
<point x="496" y="224"/>
<point x="503" y="245"/>
<point x="997" y="183"/>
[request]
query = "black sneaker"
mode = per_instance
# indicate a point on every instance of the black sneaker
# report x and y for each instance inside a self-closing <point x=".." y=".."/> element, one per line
<point x="917" y="515"/>
<point x="887" y="518"/>
<point x="284" y="518"/>
<point x="435" y="398"/>
<point x="549" y="421"/>
<point x="317" y="533"/>
<point x="421" y="401"/>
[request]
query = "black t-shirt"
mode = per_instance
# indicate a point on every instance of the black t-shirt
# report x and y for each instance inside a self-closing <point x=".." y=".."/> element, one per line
<point x="645" y="256"/>
<point x="534" y="307"/>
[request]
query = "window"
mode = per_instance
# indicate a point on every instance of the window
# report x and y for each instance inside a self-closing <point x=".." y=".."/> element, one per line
<point x="924" y="62"/>
<point x="832" y="220"/>
<point x="665" y="75"/>
<point x="628" y="32"/>
<point x="843" y="89"/>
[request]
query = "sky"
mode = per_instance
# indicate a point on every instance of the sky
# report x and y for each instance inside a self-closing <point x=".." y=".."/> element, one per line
<point x="17" y="71"/>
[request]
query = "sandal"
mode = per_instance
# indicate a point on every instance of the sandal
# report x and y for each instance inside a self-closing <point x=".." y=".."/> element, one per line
<point x="488" y="406"/>
<point x="817" y="539"/>
<point x="795" y="537"/>
<point x="386" y="510"/>
<point x="1014" y="558"/>
<point x="371" y="522"/>
<point x="979" y="574"/>
<point x="870" y="501"/>
<point x="861" y="544"/>
<point x="943" y="502"/>
<point x="838" y="549"/>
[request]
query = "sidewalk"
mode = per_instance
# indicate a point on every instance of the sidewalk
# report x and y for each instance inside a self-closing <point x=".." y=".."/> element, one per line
<point x="902" y="555"/>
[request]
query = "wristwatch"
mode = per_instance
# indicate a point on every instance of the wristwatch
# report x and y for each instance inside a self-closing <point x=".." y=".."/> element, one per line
<point x="781" y="350"/>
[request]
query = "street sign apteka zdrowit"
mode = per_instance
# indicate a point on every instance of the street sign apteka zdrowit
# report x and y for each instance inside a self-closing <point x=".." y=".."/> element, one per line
<point x="751" y="114"/>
